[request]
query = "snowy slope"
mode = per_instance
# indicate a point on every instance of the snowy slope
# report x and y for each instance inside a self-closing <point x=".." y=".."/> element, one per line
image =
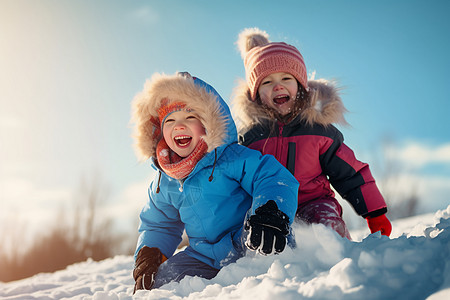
<point x="414" y="263"/>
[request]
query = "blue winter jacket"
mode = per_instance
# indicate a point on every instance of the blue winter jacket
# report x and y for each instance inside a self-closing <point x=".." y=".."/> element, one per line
<point x="211" y="211"/>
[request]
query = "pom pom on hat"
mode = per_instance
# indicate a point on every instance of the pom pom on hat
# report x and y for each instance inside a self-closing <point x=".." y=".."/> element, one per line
<point x="262" y="58"/>
<point x="250" y="38"/>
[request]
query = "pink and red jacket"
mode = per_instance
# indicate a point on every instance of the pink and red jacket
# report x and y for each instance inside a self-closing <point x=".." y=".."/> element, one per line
<point x="312" y="149"/>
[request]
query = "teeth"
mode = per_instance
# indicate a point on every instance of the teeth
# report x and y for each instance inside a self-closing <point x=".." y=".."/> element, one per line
<point x="182" y="137"/>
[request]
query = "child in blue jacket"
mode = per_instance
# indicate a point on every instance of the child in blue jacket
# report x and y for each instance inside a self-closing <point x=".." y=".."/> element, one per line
<point x="222" y="194"/>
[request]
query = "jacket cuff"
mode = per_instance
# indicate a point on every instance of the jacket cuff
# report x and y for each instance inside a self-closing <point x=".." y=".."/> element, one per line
<point x="375" y="213"/>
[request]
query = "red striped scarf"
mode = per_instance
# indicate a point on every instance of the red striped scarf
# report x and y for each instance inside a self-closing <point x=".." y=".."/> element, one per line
<point x="175" y="166"/>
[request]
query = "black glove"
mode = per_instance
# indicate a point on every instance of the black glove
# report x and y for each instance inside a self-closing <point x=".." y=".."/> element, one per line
<point x="147" y="263"/>
<point x="267" y="225"/>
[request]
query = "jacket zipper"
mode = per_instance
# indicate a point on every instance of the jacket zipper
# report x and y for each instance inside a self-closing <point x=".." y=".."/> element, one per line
<point x="181" y="182"/>
<point x="279" y="142"/>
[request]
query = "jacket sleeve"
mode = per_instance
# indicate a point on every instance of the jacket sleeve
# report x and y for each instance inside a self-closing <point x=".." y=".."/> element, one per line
<point x="352" y="178"/>
<point x="160" y="225"/>
<point x="264" y="178"/>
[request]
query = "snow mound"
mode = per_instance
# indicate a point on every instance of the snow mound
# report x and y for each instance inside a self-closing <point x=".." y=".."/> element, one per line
<point x="413" y="263"/>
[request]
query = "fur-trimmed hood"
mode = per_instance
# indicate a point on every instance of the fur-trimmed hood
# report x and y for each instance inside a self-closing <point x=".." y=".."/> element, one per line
<point x="324" y="107"/>
<point x="198" y="95"/>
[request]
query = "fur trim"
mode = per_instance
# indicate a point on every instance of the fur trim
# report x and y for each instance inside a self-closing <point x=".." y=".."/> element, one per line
<point x="246" y="112"/>
<point x="325" y="106"/>
<point x="175" y="88"/>
<point x="250" y="38"/>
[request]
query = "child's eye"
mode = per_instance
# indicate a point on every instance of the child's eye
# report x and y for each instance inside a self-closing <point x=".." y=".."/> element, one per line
<point x="265" y="82"/>
<point x="191" y="117"/>
<point x="168" y="120"/>
<point x="287" y="78"/>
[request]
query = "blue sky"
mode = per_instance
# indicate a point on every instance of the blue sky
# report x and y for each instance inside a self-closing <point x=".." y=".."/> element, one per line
<point x="70" y="69"/>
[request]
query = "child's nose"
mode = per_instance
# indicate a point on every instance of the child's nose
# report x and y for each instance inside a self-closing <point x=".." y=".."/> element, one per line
<point x="278" y="86"/>
<point x="179" y="126"/>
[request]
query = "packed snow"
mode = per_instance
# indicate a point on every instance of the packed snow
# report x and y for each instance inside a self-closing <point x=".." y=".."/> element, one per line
<point x="413" y="263"/>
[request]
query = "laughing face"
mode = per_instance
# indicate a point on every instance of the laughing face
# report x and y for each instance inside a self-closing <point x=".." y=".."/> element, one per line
<point x="278" y="92"/>
<point x="182" y="130"/>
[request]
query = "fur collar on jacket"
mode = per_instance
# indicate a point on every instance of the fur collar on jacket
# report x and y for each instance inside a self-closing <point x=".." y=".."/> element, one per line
<point x="325" y="106"/>
<point x="198" y="95"/>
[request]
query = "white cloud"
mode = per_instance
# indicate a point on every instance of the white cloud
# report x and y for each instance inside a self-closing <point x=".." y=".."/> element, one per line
<point x="24" y="195"/>
<point x="128" y="204"/>
<point x="28" y="210"/>
<point x="431" y="191"/>
<point x="409" y="178"/>
<point x="419" y="155"/>
<point x="124" y="211"/>
<point x="413" y="169"/>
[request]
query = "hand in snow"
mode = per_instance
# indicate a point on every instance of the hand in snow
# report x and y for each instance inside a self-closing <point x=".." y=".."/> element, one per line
<point x="380" y="223"/>
<point x="268" y="229"/>
<point x="147" y="263"/>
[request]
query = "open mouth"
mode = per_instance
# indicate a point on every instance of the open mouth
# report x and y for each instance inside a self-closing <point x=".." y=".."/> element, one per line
<point x="281" y="99"/>
<point x="183" y="140"/>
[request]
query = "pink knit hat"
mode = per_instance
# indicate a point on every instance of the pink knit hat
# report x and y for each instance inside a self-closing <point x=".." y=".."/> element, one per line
<point x="262" y="58"/>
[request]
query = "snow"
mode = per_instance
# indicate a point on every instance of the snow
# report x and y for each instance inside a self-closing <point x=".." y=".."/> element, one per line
<point x="412" y="264"/>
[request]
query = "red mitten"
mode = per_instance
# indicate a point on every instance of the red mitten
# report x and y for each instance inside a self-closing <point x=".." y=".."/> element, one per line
<point x="380" y="223"/>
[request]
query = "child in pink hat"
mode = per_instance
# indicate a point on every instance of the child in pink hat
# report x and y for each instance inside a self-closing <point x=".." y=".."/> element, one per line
<point x="281" y="113"/>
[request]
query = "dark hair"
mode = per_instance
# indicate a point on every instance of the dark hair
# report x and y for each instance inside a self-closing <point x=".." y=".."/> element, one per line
<point x="302" y="97"/>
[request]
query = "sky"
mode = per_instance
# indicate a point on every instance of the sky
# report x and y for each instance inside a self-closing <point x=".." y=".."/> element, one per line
<point x="408" y="265"/>
<point x="70" y="69"/>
